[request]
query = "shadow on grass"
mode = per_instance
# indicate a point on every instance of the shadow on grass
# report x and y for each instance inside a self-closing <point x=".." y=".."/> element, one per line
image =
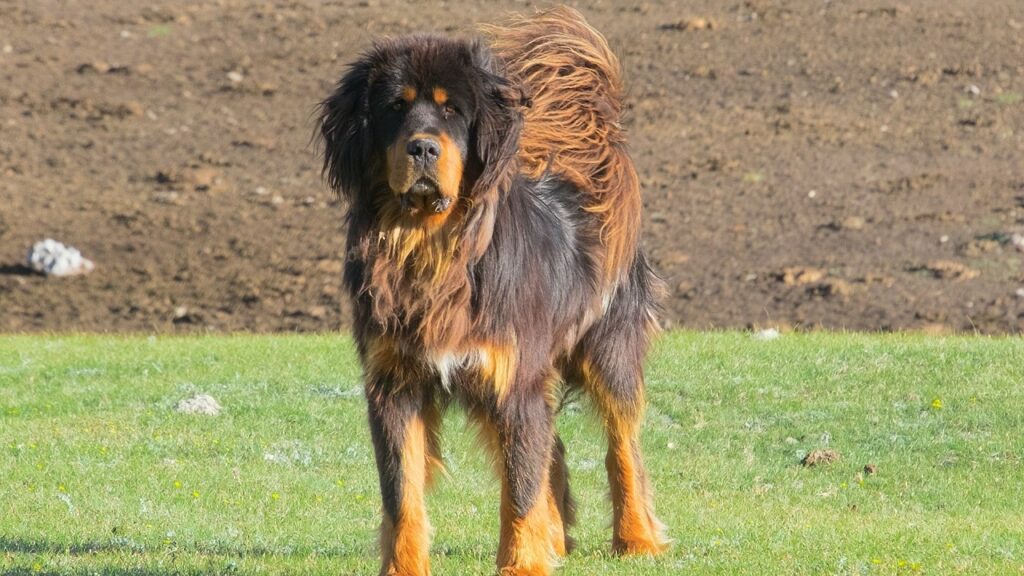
<point x="101" y="572"/>
<point x="128" y="547"/>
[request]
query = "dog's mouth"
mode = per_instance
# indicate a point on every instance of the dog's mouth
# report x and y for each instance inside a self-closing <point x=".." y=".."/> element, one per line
<point x="424" y="196"/>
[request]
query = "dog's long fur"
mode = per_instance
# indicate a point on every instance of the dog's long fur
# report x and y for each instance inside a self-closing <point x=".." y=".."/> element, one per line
<point x="496" y="265"/>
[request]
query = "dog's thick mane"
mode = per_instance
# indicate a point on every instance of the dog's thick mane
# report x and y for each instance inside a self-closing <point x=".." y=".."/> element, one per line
<point x="573" y="124"/>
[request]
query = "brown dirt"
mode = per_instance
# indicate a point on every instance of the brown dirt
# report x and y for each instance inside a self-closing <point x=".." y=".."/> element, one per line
<point x="820" y="456"/>
<point x="838" y="164"/>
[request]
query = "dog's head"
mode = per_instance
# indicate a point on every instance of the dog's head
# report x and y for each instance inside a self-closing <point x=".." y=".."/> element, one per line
<point x="418" y="123"/>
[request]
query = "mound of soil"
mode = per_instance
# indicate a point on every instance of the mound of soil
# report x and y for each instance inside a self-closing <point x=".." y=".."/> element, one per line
<point x="837" y="164"/>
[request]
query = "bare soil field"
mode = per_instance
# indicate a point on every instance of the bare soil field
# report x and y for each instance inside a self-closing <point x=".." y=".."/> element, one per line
<point x="848" y="165"/>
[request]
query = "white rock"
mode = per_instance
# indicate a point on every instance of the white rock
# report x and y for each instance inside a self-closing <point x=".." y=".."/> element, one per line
<point x="199" y="404"/>
<point x="55" y="259"/>
<point x="767" y="334"/>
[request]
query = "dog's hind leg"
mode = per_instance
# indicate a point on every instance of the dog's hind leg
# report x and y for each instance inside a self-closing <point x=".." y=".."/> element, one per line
<point x="563" y="507"/>
<point x="608" y="364"/>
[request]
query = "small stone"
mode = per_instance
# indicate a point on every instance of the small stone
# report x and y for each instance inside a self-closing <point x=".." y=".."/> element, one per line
<point x="894" y="94"/>
<point x="8" y="49"/>
<point x="167" y="197"/>
<point x="53" y="258"/>
<point x="767" y="334"/>
<point x="812" y="194"/>
<point x="235" y="76"/>
<point x="973" y="90"/>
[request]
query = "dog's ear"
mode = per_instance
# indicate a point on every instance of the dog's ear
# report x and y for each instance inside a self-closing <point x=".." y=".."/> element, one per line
<point x="498" y="120"/>
<point x="345" y="128"/>
<point x="496" y="130"/>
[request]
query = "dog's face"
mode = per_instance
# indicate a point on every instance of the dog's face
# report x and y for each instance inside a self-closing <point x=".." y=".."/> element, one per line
<point x="417" y="123"/>
<point x="424" y="127"/>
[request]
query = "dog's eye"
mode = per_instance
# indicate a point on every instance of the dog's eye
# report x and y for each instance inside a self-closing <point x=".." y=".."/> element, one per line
<point x="450" y="110"/>
<point x="398" y="105"/>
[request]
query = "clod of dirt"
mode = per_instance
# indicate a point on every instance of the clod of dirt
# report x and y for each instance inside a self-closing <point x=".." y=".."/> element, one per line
<point x="870" y="469"/>
<point x="203" y="179"/>
<point x="182" y="315"/>
<point x="853" y="223"/>
<point x="820" y="456"/>
<point x="833" y="287"/>
<point x="52" y="258"/>
<point x="329" y="266"/>
<point x="980" y="246"/>
<point x="799" y="275"/>
<point x="935" y="329"/>
<point x="950" y="270"/>
<point x="690" y="24"/>
<point x="98" y="67"/>
<point x="199" y="404"/>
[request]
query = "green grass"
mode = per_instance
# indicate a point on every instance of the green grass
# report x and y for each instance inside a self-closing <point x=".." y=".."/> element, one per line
<point x="100" y="475"/>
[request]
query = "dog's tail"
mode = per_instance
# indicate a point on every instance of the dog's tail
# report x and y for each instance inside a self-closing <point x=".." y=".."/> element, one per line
<point x="572" y="127"/>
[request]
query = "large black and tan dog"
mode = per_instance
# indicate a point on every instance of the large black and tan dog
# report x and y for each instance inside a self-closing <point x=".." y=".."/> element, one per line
<point x="493" y="260"/>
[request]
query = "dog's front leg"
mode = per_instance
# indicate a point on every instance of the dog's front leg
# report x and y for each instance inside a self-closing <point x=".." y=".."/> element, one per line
<point x="400" y="439"/>
<point x="530" y="527"/>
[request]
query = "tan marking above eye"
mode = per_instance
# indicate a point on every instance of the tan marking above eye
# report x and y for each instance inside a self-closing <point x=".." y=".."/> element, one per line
<point x="440" y="96"/>
<point x="408" y="93"/>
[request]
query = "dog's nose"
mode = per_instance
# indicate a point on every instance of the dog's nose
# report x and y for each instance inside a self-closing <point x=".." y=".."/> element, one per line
<point x="425" y="149"/>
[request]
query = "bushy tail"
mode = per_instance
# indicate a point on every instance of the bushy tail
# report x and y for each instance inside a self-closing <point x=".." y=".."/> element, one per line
<point x="572" y="127"/>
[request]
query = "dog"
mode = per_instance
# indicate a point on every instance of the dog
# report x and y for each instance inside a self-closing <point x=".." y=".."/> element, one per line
<point x="493" y="261"/>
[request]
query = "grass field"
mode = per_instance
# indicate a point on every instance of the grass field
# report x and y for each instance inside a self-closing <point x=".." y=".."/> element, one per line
<point x="100" y="475"/>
